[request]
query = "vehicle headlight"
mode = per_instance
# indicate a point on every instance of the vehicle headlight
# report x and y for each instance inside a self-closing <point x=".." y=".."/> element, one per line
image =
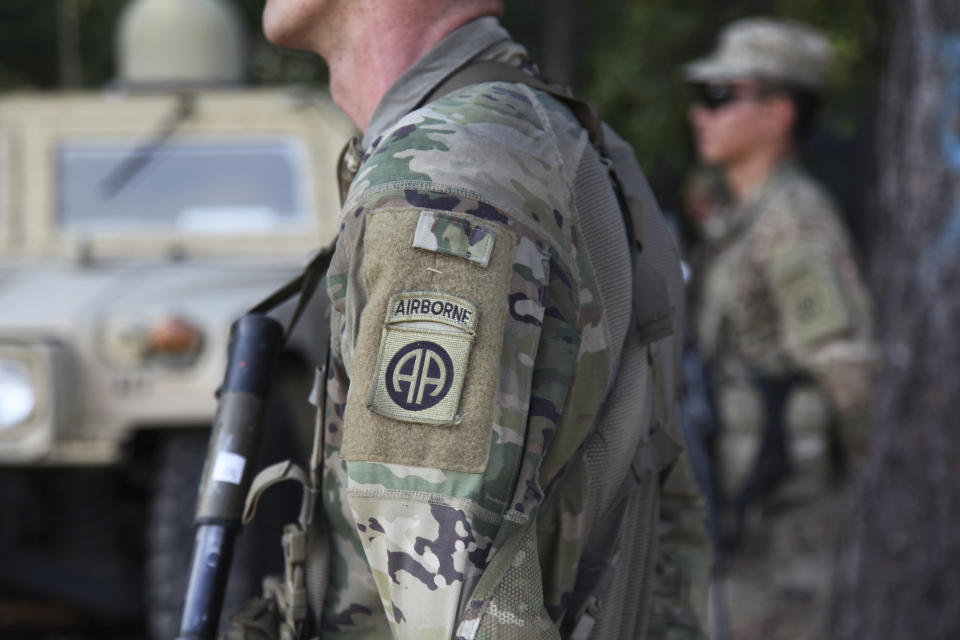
<point x="169" y="341"/>
<point x="33" y="396"/>
<point x="18" y="398"/>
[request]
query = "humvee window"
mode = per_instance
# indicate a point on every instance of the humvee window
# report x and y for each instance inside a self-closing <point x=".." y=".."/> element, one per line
<point x="196" y="186"/>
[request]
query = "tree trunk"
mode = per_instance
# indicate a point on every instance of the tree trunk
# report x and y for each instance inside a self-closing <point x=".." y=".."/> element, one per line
<point x="68" y="37"/>
<point x="899" y="567"/>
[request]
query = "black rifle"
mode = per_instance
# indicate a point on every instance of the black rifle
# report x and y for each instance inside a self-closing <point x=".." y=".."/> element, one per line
<point x="255" y="344"/>
<point x="772" y="464"/>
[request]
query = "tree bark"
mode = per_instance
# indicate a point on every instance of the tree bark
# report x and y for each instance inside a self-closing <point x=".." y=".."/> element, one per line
<point x="898" y="573"/>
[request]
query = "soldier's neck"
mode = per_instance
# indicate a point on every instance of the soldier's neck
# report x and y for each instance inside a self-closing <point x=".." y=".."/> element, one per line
<point x="381" y="41"/>
<point x="748" y="172"/>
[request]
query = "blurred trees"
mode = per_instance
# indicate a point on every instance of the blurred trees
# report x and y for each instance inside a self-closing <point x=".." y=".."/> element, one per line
<point x="630" y="55"/>
<point x="898" y="573"/>
<point x="634" y="73"/>
<point x="623" y="54"/>
<point x="30" y="37"/>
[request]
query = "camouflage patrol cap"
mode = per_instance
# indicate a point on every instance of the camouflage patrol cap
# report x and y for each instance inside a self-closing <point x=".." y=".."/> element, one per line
<point x="787" y="52"/>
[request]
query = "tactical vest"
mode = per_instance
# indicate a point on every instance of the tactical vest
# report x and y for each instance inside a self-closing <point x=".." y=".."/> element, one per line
<point x="634" y="439"/>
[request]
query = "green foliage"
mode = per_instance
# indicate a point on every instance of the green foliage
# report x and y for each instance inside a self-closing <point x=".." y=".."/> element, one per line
<point x="629" y="62"/>
<point x="29" y="45"/>
<point x="98" y="20"/>
<point x="636" y="76"/>
<point x="29" y="42"/>
<point x="854" y="29"/>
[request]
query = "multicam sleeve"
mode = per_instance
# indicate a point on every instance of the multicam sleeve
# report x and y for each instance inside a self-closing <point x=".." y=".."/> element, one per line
<point x="824" y="307"/>
<point x="447" y="301"/>
<point x="809" y="292"/>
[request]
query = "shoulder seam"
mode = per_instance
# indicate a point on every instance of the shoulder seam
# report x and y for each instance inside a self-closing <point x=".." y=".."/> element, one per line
<point x="567" y="178"/>
<point x="436" y="187"/>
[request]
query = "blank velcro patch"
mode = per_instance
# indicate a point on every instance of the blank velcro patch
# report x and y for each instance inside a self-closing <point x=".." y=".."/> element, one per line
<point x="423" y="357"/>
<point x="455" y="236"/>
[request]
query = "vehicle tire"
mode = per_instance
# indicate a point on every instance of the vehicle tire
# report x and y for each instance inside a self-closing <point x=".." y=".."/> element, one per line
<point x="169" y="536"/>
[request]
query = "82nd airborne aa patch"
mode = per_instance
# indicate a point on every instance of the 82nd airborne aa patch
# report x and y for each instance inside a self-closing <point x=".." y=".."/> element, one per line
<point x="422" y="362"/>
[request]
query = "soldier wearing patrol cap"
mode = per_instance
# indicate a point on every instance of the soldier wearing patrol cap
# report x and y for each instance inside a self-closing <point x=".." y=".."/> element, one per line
<point x="782" y="316"/>
<point x="500" y="456"/>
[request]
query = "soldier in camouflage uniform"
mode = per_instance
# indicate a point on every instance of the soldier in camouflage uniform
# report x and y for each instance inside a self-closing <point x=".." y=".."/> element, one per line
<point x="782" y="316"/>
<point x="482" y="353"/>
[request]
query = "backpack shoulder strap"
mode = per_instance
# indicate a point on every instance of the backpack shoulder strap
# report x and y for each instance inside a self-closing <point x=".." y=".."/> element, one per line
<point x="652" y="311"/>
<point x="652" y="315"/>
<point x="491" y="71"/>
<point x="304" y="284"/>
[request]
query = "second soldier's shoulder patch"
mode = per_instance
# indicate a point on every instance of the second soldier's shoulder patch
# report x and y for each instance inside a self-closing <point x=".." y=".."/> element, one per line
<point x="423" y="357"/>
<point x="808" y="290"/>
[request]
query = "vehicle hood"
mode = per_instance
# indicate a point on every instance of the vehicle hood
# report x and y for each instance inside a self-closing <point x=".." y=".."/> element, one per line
<point x="54" y="300"/>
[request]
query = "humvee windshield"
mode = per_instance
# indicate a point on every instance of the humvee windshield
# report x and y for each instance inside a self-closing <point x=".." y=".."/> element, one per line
<point x="199" y="185"/>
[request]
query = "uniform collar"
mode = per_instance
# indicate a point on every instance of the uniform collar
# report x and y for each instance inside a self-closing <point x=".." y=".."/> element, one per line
<point x="451" y="53"/>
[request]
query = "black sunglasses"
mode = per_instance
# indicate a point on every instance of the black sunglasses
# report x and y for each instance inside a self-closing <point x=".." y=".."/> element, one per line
<point x="714" y="95"/>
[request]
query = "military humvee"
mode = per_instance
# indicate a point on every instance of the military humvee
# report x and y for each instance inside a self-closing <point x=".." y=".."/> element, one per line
<point x="135" y="226"/>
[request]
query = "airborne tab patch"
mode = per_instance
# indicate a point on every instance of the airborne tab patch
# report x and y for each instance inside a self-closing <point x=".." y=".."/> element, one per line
<point x="423" y="357"/>
<point x="436" y="307"/>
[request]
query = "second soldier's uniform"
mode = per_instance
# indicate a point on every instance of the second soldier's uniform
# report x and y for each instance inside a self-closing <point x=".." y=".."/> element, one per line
<point x="782" y="318"/>
<point x="780" y="307"/>
<point x="780" y="297"/>
<point x="483" y="361"/>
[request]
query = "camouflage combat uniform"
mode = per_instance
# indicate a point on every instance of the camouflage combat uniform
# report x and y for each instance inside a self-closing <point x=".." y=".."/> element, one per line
<point x="780" y="290"/>
<point x="779" y="296"/>
<point x="472" y="353"/>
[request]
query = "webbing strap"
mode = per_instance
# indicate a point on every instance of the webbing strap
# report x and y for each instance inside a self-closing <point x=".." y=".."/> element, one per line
<point x="304" y="284"/>
<point x="598" y="562"/>
<point x="266" y="478"/>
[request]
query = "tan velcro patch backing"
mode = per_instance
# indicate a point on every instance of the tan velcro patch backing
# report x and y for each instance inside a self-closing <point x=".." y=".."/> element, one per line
<point x="465" y="315"/>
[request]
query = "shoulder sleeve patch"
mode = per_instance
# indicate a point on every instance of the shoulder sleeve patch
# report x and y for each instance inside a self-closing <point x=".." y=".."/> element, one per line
<point x="455" y="236"/>
<point x="423" y="357"/>
<point x="809" y="294"/>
